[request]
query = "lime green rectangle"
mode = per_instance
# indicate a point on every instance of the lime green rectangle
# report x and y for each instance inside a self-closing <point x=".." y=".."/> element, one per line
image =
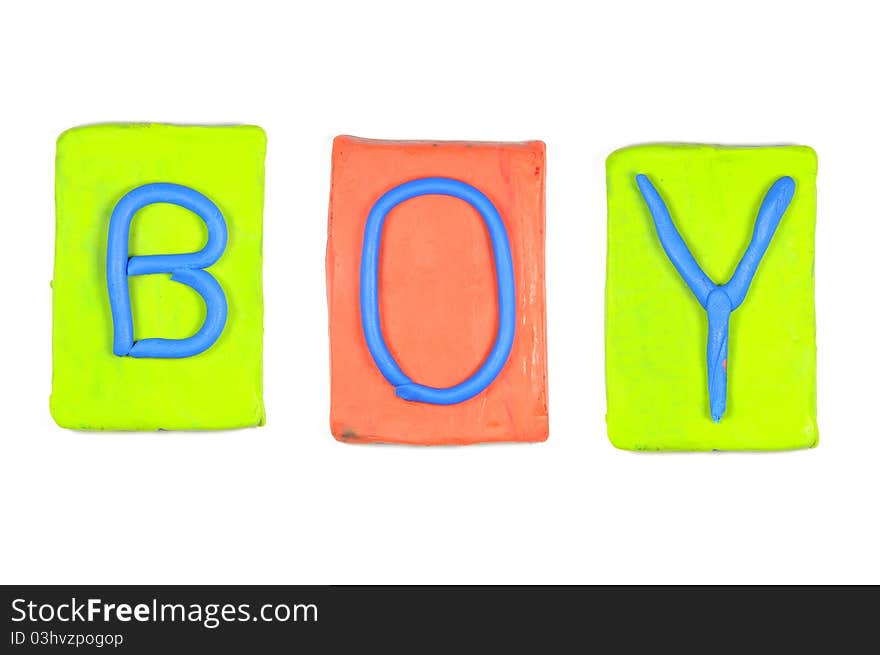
<point x="92" y="389"/>
<point x="655" y="336"/>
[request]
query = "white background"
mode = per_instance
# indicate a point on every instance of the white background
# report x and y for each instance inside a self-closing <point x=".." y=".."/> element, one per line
<point x="287" y="503"/>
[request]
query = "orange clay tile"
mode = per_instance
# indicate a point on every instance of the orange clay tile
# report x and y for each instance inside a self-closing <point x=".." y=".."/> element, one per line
<point x="437" y="292"/>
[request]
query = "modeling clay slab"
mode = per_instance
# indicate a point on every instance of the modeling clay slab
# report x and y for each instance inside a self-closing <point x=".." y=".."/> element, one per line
<point x="656" y="331"/>
<point x="446" y="241"/>
<point x="174" y="367"/>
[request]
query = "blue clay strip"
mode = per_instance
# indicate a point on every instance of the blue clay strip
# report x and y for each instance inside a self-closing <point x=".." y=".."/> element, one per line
<point x="185" y="268"/>
<point x="369" y="296"/>
<point x="673" y="244"/>
<point x="718" y="301"/>
<point x="718" y="312"/>
<point x="769" y="215"/>
<point x="215" y="320"/>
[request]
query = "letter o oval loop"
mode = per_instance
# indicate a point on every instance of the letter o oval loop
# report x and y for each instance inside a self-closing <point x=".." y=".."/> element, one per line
<point x="404" y="387"/>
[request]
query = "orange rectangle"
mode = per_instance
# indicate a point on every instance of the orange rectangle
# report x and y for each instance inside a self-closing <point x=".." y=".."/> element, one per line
<point x="437" y="292"/>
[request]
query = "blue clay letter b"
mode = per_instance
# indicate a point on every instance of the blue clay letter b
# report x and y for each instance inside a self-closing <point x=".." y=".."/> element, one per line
<point x="186" y="268"/>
